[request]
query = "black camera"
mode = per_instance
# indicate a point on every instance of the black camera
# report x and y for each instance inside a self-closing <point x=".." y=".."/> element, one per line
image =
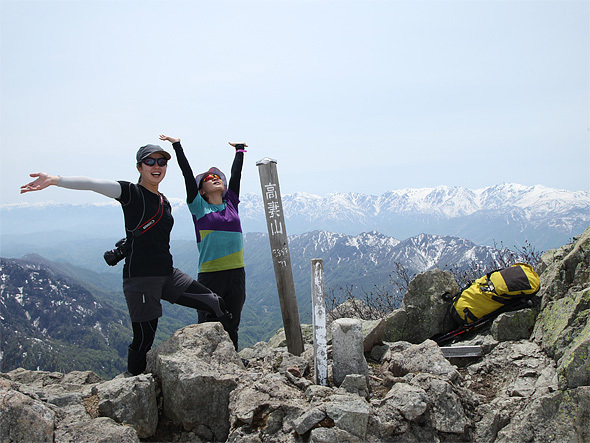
<point x="114" y="256"/>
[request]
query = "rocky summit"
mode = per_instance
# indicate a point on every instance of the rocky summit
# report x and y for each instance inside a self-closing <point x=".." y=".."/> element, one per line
<point x="530" y="380"/>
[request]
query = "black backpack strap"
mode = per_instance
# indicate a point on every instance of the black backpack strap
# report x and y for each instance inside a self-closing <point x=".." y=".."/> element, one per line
<point x="469" y="315"/>
<point x="499" y="299"/>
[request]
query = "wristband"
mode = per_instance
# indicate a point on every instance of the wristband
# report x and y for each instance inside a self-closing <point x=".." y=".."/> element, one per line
<point x="241" y="150"/>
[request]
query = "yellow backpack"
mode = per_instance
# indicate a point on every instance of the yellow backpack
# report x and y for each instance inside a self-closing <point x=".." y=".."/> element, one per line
<point x="493" y="291"/>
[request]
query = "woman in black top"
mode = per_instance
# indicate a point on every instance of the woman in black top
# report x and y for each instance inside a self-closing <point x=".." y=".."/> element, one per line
<point x="148" y="273"/>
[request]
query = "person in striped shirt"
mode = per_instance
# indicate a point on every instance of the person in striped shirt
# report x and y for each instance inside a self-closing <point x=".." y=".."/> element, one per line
<point x="214" y="208"/>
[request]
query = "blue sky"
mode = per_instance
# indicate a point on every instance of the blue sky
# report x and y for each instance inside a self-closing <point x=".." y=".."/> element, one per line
<point x="348" y="96"/>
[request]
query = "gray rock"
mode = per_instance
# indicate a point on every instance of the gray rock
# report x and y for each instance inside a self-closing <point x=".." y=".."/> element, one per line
<point x="386" y="420"/>
<point x="425" y="357"/>
<point x="411" y="401"/>
<point x="515" y="325"/>
<point x="378" y="351"/>
<point x="23" y="418"/>
<point x="485" y="341"/>
<point x="396" y="326"/>
<point x="293" y="361"/>
<point x="130" y="401"/>
<point x="68" y="393"/>
<point x="331" y="435"/>
<point x="268" y="405"/>
<point x="563" y="328"/>
<point x="316" y="394"/>
<point x="349" y="413"/>
<point x="373" y="333"/>
<point x="356" y="384"/>
<point x="574" y="366"/>
<point x="71" y="381"/>
<point x="512" y="366"/>
<point x="198" y="368"/>
<point x="347" y="349"/>
<point x="448" y="415"/>
<point x="98" y="430"/>
<point x="565" y="269"/>
<point x="560" y="416"/>
<point x="494" y="417"/>
<point x="424" y="311"/>
<point x="308" y="420"/>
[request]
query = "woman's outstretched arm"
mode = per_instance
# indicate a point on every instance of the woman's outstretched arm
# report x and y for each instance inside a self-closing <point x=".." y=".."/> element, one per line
<point x="43" y="180"/>
<point x="185" y="167"/>
<point x="236" y="167"/>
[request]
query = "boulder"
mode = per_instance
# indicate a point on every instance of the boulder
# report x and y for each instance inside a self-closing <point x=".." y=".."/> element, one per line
<point x="349" y="413"/>
<point x="347" y="349"/>
<point x="425" y="357"/>
<point x="130" y="401"/>
<point x="562" y="328"/>
<point x="267" y="406"/>
<point x="514" y="325"/>
<point x="356" y="384"/>
<point x="423" y="312"/>
<point x="98" y="430"/>
<point x="23" y="418"/>
<point x="373" y="333"/>
<point x="198" y="368"/>
<point x="309" y="420"/>
<point x="559" y="416"/>
<point x="565" y="269"/>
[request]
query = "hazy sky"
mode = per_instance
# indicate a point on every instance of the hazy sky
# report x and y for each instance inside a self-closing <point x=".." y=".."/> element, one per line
<point x="348" y="96"/>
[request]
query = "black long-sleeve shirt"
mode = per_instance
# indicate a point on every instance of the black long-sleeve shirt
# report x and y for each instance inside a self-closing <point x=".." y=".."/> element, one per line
<point x="189" y="177"/>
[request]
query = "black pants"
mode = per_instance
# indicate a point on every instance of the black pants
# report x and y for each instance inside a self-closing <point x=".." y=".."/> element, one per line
<point x="230" y="285"/>
<point x="196" y="296"/>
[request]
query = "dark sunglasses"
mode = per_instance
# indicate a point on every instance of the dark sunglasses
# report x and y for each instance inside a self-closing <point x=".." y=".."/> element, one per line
<point x="211" y="177"/>
<point x="150" y="161"/>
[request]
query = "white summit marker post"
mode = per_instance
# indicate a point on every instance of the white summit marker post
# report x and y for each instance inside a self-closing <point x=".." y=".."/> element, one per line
<point x="318" y="304"/>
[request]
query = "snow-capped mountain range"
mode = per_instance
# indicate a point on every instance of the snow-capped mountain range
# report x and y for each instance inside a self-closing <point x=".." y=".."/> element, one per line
<point x="507" y="213"/>
<point x="442" y="201"/>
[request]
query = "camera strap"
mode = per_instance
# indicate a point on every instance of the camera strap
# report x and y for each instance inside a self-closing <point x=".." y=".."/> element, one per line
<point x="152" y="221"/>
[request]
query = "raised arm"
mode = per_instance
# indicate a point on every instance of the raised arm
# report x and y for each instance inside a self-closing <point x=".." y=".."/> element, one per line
<point x="236" y="167"/>
<point x="43" y="180"/>
<point x="185" y="167"/>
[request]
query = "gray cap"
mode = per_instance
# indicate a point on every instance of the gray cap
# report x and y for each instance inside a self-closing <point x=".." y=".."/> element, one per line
<point x="147" y="150"/>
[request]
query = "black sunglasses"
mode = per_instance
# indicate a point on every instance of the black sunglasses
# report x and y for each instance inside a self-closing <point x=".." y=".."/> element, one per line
<point x="150" y="161"/>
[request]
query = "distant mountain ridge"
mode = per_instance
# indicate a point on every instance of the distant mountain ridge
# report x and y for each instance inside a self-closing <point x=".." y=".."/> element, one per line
<point x="58" y="315"/>
<point x="362" y="263"/>
<point x="508" y="213"/>
<point x="52" y="321"/>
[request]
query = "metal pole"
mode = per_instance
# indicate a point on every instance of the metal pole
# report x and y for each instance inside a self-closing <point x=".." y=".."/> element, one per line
<point x="281" y="258"/>
<point x="320" y="341"/>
